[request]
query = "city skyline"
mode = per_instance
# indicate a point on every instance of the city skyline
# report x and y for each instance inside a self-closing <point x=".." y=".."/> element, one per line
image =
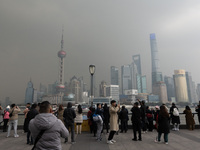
<point x="30" y="36"/>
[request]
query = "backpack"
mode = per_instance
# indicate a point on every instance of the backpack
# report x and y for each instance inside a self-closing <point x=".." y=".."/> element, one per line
<point x="95" y="117"/>
<point x="175" y="112"/>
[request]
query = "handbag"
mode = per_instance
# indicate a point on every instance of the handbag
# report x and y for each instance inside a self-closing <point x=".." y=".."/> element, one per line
<point x="10" y="115"/>
<point x="38" y="138"/>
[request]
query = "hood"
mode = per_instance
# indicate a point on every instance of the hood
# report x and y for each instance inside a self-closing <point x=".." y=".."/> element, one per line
<point x="45" y="121"/>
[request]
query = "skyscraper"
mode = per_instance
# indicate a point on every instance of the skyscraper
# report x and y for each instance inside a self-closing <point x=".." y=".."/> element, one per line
<point x="190" y="88"/>
<point x="198" y="91"/>
<point x="114" y="75"/>
<point x="102" y="89"/>
<point x="169" y="81"/>
<point x="160" y="89"/>
<point x="113" y="92"/>
<point x="126" y="78"/>
<point x="180" y="84"/>
<point x="156" y="74"/>
<point x="137" y="62"/>
<point x="29" y="93"/>
<point x="141" y="84"/>
<point x="75" y="89"/>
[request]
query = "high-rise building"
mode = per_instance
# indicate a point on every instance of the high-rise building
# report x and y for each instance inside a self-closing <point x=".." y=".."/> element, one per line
<point x="137" y="62"/>
<point x="190" y="88"/>
<point x="169" y="81"/>
<point x="198" y="92"/>
<point x="161" y="90"/>
<point x="180" y="84"/>
<point x="126" y="78"/>
<point x="113" y="92"/>
<point x="141" y="84"/>
<point x="75" y="89"/>
<point x="156" y="74"/>
<point x="194" y="93"/>
<point x="29" y="93"/>
<point x="114" y="75"/>
<point x="102" y="89"/>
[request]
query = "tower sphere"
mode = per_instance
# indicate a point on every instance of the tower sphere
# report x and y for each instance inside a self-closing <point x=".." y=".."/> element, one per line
<point x="61" y="54"/>
<point x="60" y="86"/>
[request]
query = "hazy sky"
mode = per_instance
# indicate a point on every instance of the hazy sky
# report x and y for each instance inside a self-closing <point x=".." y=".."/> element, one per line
<point x="100" y="32"/>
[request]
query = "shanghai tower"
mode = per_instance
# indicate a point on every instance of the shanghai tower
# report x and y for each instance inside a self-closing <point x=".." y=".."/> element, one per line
<point x="158" y="86"/>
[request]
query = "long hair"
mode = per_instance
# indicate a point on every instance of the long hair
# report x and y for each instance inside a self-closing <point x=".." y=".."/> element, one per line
<point x="163" y="112"/>
<point x="80" y="110"/>
<point x="60" y="107"/>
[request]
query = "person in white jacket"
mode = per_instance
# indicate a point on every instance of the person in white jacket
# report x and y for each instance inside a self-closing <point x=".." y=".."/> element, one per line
<point x="79" y="119"/>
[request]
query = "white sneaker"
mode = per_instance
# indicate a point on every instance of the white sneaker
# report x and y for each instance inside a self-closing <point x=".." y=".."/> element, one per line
<point x="113" y="141"/>
<point x="110" y="142"/>
<point x="174" y="129"/>
<point x="16" y="136"/>
<point x="166" y="143"/>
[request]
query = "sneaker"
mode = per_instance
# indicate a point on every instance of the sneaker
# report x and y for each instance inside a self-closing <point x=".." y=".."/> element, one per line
<point x="156" y="141"/>
<point x="113" y="141"/>
<point x="7" y="136"/>
<point x="174" y="129"/>
<point x="166" y="143"/>
<point x="16" y="136"/>
<point x="134" y="139"/>
<point x="73" y="143"/>
<point x="110" y="142"/>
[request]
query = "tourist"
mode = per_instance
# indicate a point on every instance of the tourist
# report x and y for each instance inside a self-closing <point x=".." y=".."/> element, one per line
<point x="198" y="111"/>
<point x="136" y="121"/>
<point x="30" y="115"/>
<point x="106" y="115"/>
<point x="94" y="124"/>
<point x="6" y="118"/>
<point x="114" y="126"/>
<point x="1" y="115"/>
<point x="47" y="129"/>
<point x="163" y="125"/>
<point x="143" y="113"/>
<point x="156" y="113"/>
<point x="79" y="119"/>
<point x="190" y="123"/>
<point x="13" y="120"/>
<point x="149" y="114"/>
<point x="175" y="117"/>
<point x="69" y="115"/>
<point x="28" y="107"/>
<point x="89" y="119"/>
<point x="123" y="116"/>
<point x="60" y="112"/>
<point x="99" y="123"/>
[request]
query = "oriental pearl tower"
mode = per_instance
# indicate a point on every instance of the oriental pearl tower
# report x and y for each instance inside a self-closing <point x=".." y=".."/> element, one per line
<point x="61" y="87"/>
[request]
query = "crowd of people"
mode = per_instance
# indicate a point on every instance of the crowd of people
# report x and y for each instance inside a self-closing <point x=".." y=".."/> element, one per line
<point x="43" y="125"/>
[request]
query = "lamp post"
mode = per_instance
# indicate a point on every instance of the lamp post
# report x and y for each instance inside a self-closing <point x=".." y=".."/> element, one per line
<point x="92" y="71"/>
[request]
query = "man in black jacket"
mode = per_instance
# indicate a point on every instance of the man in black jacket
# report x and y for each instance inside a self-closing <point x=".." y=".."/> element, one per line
<point x="30" y="115"/>
<point x="69" y="115"/>
<point x="123" y="116"/>
<point x="136" y="120"/>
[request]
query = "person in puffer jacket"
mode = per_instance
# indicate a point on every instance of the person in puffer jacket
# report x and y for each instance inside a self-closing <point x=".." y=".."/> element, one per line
<point x="54" y="129"/>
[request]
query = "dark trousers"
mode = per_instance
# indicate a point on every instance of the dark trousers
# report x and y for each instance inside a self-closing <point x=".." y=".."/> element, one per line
<point x="144" y="126"/>
<point x="106" y="126"/>
<point x="28" y="138"/>
<point x="137" y="127"/>
<point x="150" y="125"/>
<point x="111" y="135"/>
<point x="124" y="126"/>
<point x="5" y="124"/>
<point x="71" y="126"/>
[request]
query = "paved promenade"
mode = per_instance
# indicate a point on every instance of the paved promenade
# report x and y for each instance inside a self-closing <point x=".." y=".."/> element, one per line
<point x="184" y="140"/>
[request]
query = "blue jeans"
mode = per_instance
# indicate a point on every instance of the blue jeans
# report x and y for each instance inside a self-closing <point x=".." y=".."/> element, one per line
<point x="165" y="137"/>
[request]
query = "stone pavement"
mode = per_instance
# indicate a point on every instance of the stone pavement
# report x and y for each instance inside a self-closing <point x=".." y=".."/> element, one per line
<point x="184" y="140"/>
